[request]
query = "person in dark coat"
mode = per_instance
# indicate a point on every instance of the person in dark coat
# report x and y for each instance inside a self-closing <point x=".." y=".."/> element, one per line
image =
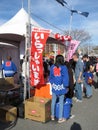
<point x="70" y="93"/>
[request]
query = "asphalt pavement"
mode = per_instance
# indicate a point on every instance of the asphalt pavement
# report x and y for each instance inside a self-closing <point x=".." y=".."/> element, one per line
<point x="86" y="118"/>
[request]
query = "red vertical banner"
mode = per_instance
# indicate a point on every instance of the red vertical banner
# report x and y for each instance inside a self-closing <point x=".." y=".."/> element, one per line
<point x="39" y="38"/>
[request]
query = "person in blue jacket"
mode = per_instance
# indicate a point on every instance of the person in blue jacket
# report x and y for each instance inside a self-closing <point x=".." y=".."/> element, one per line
<point x="88" y="77"/>
<point x="59" y="80"/>
<point x="9" y="68"/>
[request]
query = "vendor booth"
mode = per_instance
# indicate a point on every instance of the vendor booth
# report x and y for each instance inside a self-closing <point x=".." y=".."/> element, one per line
<point x="12" y="36"/>
<point x="12" y="43"/>
<point x="13" y="33"/>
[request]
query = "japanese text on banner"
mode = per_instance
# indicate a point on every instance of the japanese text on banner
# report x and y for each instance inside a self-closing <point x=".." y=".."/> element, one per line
<point x="39" y="37"/>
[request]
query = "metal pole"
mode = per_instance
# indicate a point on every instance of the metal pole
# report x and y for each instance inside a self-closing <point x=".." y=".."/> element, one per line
<point x="22" y="3"/>
<point x="27" y="53"/>
<point x="29" y="43"/>
<point x="70" y="23"/>
<point x="69" y="33"/>
<point x="25" y="60"/>
<point x="88" y="48"/>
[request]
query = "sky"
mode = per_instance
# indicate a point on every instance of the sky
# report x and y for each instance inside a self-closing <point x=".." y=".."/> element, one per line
<point x="54" y="13"/>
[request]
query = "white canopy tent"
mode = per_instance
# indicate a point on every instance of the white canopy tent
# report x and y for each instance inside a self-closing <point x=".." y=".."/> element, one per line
<point x="14" y="33"/>
<point x="16" y="26"/>
<point x="12" y="36"/>
<point x="14" y="30"/>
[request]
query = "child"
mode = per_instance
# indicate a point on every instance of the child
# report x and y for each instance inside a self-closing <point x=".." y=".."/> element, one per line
<point x="97" y="74"/>
<point x="88" y="76"/>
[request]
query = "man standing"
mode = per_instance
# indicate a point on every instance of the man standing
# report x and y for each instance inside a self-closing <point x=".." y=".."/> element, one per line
<point x="78" y="76"/>
<point x="9" y="68"/>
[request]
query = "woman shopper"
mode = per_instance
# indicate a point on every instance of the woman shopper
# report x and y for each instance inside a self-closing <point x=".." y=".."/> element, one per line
<point x="59" y="80"/>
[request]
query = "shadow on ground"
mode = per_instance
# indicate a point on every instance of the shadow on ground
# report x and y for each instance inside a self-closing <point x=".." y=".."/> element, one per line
<point x="75" y="126"/>
<point x="7" y="125"/>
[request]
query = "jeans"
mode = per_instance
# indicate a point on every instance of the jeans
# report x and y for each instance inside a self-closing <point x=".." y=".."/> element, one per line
<point x="61" y="103"/>
<point x="78" y="91"/>
<point x="89" y="90"/>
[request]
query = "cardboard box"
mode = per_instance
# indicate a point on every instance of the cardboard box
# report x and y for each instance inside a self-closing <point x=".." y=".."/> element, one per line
<point x="38" y="109"/>
<point x="6" y="81"/>
<point x="8" y="113"/>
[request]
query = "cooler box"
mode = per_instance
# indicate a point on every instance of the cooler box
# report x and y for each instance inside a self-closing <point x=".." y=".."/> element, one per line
<point x="38" y="109"/>
<point x="43" y="91"/>
<point x="67" y="109"/>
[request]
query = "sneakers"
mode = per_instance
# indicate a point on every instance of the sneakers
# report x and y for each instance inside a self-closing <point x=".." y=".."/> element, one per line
<point x="61" y="120"/>
<point x="71" y="116"/>
<point x="78" y="100"/>
<point x="89" y="96"/>
<point x="52" y="118"/>
<point x="74" y="98"/>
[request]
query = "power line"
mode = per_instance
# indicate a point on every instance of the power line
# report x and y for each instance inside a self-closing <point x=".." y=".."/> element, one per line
<point x="47" y="22"/>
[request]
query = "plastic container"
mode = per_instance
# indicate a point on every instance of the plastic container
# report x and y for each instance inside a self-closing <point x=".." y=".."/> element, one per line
<point x="67" y="109"/>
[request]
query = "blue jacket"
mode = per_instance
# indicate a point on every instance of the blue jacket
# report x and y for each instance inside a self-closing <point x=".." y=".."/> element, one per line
<point x="87" y="75"/>
<point x="9" y="68"/>
<point x="59" y="79"/>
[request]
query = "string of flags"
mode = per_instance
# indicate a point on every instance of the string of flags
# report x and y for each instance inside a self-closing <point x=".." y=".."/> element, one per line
<point x="63" y="37"/>
<point x="64" y="3"/>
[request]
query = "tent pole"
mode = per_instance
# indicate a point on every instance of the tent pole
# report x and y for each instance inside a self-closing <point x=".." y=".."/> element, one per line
<point x="27" y="53"/>
<point x="29" y="43"/>
<point x="25" y="60"/>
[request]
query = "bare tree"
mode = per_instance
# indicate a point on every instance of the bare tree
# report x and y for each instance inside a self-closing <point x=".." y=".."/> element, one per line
<point x="80" y="35"/>
<point x="84" y="38"/>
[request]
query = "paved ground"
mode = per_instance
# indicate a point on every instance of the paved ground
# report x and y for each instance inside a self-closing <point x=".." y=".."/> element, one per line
<point x="86" y="118"/>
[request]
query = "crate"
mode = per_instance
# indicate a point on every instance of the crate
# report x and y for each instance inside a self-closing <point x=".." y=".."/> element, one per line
<point x="38" y="109"/>
<point x="8" y="113"/>
<point x="7" y="80"/>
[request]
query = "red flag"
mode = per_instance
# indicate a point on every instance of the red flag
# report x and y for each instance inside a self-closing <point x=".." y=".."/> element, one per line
<point x="39" y="37"/>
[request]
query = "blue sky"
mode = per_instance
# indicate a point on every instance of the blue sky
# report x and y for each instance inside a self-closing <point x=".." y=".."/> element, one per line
<point x="56" y="14"/>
